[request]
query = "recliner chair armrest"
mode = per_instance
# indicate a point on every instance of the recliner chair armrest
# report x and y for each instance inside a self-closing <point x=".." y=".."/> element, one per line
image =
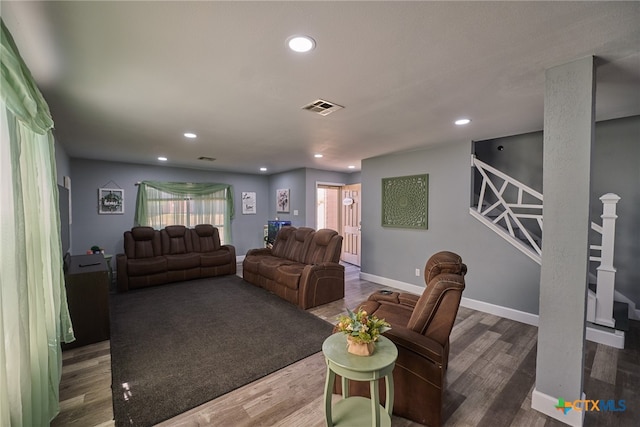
<point x="419" y="344"/>
<point x="408" y="299"/>
<point x="385" y="296"/>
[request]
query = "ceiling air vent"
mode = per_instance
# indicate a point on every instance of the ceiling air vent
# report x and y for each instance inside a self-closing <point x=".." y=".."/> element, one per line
<point x="207" y="159"/>
<point x="322" y="107"/>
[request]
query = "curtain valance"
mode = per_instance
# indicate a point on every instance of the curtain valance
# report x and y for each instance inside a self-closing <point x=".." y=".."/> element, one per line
<point x="184" y="189"/>
<point x="19" y="91"/>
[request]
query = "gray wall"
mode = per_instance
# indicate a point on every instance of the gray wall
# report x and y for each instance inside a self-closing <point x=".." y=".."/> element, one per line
<point x="520" y="157"/>
<point x="295" y="181"/>
<point x="302" y="186"/>
<point x="90" y="228"/>
<point x="498" y="273"/>
<point x="615" y="168"/>
<point x="63" y="165"/>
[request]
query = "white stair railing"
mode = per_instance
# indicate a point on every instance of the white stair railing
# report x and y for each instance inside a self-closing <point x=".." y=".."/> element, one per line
<point x="606" y="272"/>
<point x="505" y="202"/>
<point x="508" y="201"/>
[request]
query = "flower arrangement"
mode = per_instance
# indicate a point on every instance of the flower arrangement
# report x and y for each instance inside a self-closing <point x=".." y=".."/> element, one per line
<point x="360" y="327"/>
<point x="95" y="250"/>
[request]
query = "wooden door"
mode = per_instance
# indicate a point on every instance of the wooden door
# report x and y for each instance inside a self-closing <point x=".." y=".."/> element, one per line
<point x="351" y="218"/>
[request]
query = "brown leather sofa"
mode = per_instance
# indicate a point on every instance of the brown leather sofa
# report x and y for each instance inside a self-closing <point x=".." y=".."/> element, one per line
<point x="301" y="267"/>
<point x="175" y="253"/>
<point x="420" y="329"/>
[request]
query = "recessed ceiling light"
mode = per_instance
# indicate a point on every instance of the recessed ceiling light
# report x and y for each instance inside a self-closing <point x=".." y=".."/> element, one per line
<point x="301" y="44"/>
<point x="317" y="156"/>
<point x="162" y="159"/>
<point x="462" y="122"/>
<point x="351" y="167"/>
<point x="263" y="169"/>
<point x="190" y="135"/>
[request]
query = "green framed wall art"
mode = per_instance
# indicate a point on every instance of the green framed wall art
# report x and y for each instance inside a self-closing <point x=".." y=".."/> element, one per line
<point x="405" y="201"/>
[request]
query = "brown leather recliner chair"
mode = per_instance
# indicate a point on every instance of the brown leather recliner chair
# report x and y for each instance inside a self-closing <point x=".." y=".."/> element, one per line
<point x="420" y="329"/>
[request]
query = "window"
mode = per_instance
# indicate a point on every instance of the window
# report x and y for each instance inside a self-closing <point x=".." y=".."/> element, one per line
<point x="176" y="203"/>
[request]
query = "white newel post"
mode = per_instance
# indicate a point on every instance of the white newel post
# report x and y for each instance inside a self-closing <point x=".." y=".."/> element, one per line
<point x="606" y="276"/>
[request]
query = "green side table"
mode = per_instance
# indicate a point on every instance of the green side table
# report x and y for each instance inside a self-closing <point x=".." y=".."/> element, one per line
<point x="356" y="410"/>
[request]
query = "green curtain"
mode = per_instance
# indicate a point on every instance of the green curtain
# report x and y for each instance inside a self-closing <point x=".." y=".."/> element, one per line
<point x="34" y="317"/>
<point x="206" y="197"/>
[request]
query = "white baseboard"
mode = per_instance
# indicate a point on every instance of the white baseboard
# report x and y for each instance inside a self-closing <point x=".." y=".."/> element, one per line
<point x="605" y="336"/>
<point x="546" y="404"/>
<point x="407" y="287"/>
<point x="497" y="310"/>
<point x="239" y="259"/>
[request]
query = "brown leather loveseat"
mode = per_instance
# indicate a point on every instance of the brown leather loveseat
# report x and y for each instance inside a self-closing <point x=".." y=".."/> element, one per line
<point x="420" y="329"/>
<point x="302" y="267"/>
<point x="175" y="253"/>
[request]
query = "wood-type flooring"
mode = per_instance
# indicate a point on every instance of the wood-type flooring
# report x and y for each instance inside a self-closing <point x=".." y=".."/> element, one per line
<point x="490" y="379"/>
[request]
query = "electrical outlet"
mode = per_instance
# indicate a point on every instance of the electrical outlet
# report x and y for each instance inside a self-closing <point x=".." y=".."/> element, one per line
<point x="417" y="272"/>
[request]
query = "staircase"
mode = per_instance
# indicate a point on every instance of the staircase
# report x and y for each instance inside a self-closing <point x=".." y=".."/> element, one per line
<point x="514" y="211"/>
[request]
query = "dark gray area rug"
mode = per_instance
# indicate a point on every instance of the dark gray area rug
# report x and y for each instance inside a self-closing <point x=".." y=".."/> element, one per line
<point x="176" y="346"/>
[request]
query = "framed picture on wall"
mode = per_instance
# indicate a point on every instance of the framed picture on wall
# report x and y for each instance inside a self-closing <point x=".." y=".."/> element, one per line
<point x="248" y="203"/>
<point x="405" y="201"/>
<point x="282" y="200"/>
<point x="110" y="201"/>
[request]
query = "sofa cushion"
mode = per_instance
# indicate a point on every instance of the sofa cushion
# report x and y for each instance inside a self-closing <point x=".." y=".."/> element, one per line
<point x="145" y="266"/>
<point x="176" y="230"/>
<point x="289" y="275"/>
<point x="142" y="242"/>
<point x="395" y="314"/>
<point x="251" y="263"/>
<point x="325" y="246"/>
<point x="205" y="238"/>
<point x="143" y="233"/>
<point x="268" y="266"/>
<point x="298" y="243"/>
<point x="212" y="259"/>
<point x="183" y="261"/>
<point x="279" y="247"/>
<point x="176" y="239"/>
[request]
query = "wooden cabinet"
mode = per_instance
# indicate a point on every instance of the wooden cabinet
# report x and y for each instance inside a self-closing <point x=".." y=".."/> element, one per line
<point x="87" y="284"/>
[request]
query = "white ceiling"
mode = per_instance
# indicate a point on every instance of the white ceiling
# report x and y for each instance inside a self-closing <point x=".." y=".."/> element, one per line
<point x="125" y="80"/>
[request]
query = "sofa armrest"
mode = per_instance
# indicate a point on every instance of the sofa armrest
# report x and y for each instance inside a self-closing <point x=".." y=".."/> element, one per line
<point x="385" y="296"/>
<point x="258" y="251"/>
<point x="122" y="276"/>
<point x="388" y="297"/>
<point x="232" y="253"/>
<point x="321" y="283"/>
<point x="414" y="342"/>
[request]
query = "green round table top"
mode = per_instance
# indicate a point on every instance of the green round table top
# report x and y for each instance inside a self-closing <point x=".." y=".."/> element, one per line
<point x="335" y="350"/>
